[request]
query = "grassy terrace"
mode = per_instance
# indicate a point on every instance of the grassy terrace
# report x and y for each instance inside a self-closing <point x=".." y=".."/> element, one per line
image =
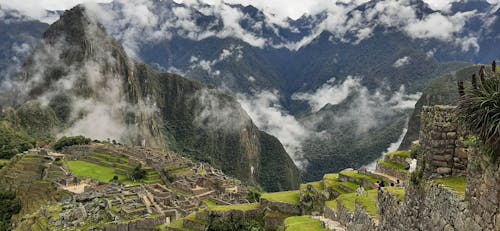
<point x="457" y="184"/>
<point x="303" y="223"/>
<point x="398" y="192"/>
<point x="192" y="217"/>
<point x="349" y="200"/>
<point x="317" y="185"/>
<point x="178" y="225"/>
<point x="404" y="154"/>
<point x="392" y="165"/>
<point x="332" y="180"/>
<point x="240" y="207"/>
<point x="355" y="174"/>
<point x="291" y="197"/>
<point x="98" y="172"/>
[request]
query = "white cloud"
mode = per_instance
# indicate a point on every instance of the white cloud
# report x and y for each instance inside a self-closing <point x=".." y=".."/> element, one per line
<point x="232" y="51"/>
<point x="268" y="115"/>
<point x="37" y="8"/>
<point x="365" y="109"/>
<point x="329" y="93"/>
<point x="144" y="21"/>
<point x="401" y="62"/>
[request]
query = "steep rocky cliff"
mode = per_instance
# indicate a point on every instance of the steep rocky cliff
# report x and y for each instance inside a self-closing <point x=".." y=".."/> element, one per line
<point x="84" y="78"/>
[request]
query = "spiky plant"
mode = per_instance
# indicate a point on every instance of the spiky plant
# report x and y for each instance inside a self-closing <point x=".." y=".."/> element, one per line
<point x="479" y="107"/>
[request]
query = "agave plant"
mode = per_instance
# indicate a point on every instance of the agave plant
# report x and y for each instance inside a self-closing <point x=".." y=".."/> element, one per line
<point x="479" y="107"/>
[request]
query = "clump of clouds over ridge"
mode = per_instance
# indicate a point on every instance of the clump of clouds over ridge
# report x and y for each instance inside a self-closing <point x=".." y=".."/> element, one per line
<point x="141" y="21"/>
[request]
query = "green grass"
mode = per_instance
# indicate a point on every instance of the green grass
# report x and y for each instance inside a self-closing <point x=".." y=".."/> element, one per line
<point x="291" y="197"/>
<point x="317" y="185"/>
<point x="209" y="203"/>
<point x="303" y="223"/>
<point x="369" y="202"/>
<point x="398" y="192"/>
<point x="404" y="154"/>
<point x="332" y="180"/>
<point x="457" y="184"/>
<point x="192" y="217"/>
<point x="178" y="224"/>
<point x="87" y="169"/>
<point x="392" y="165"/>
<point x="332" y="204"/>
<point x="240" y="207"/>
<point x="356" y="175"/>
<point x="350" y="185"/>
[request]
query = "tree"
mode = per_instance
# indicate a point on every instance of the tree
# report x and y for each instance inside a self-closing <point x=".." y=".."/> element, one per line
<point x="138" y="173"/>
<point x="9" y="206"/>
<point x="69" y="141"/>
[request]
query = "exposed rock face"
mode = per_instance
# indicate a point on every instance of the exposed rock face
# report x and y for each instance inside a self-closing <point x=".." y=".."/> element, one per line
<point x="442" y="142"/>
<point x="85" y="78"/>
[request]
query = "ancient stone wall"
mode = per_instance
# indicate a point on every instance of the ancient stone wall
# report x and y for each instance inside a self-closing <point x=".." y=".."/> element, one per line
<point x="358" y="220"/>
<point x="442" y="142"/>
<point x="483" y="189"/>
<point x="427" y="206"/>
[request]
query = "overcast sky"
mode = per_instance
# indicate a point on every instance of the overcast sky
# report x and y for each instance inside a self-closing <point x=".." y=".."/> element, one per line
<point x="290" y="8"/>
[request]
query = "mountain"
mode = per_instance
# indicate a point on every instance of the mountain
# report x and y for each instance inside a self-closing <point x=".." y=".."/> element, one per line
<point x="83" y="80"/>
<point x="18" y="35"/>
<point x="249" y="52"/>
<point x="440" y="91"/>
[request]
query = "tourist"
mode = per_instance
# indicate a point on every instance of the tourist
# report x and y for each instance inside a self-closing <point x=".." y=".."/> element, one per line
<point x="413" y="165"/>
<point x="398" y="183"/>
<point x="392" y="184"/>
<point x="377" y="185"/>
<point x="361" y="191"/>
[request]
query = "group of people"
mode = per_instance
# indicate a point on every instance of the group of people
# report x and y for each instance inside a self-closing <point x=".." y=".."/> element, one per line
<point x="379" y="185"/>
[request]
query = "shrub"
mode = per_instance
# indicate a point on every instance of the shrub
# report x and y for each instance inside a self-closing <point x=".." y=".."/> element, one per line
<point x="479" y="109"/>
<point x="9" y="206"/>
<point x="13" y="141"/>
<point x="138" y="173"/>
<point x="69" y="141"/>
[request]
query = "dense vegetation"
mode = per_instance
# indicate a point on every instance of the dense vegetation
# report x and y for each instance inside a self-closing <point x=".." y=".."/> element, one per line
<point x="13" y="141"/>
<point x="138" y="173"/>
<point x="479" y="106"/>
<point x="9" y="206"/>
<point x="69" y="141"/>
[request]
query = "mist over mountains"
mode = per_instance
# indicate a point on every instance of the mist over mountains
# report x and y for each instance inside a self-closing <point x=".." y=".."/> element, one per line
<point x="335" y="86"/>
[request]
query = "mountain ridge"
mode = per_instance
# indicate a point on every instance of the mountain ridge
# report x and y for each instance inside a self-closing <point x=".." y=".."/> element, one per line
<point x="96" y="88"/>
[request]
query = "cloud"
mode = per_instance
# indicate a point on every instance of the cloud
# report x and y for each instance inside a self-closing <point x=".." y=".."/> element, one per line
<point x="232" y="52"/>
<point x="98" y="105"/>
<point x="365" y="110"/>
<point x="144" y="21"/>
<point x="328" y="93"/>
<point x="216" y="112"/>
<point x="401" y="62"/>
<point x="448" y="26"/>
<point x="37" y="9"/>
<point x="266" y="112"/>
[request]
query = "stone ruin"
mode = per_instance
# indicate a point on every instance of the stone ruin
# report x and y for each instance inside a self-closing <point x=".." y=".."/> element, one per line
<point x="442" y="142"/>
